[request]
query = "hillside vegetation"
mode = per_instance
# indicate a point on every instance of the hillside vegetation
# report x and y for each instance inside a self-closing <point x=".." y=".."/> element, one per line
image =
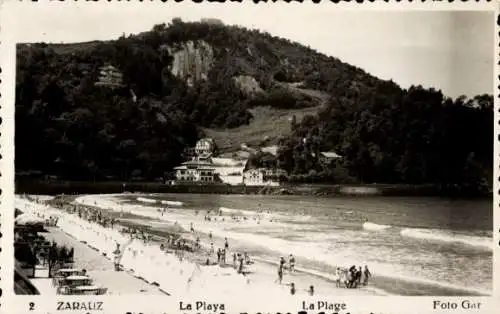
<point x="181" y="81"/>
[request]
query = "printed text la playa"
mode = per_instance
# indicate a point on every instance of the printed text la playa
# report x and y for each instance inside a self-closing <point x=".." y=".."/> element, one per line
<point x="202" y="305"/>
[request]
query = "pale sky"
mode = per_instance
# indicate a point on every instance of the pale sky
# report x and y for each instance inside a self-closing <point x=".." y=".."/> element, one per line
<point x="451" y="51"/>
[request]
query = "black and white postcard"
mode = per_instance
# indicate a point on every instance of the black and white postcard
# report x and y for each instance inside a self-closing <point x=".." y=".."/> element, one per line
<point x="226" y="158"/>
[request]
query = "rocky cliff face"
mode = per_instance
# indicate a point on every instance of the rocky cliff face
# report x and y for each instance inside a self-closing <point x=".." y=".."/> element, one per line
<point x="192" y="60"/>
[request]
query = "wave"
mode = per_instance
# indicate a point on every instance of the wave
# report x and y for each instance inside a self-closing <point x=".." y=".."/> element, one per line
<point x="374" y="226"/>
<point x="238" y="211"/>
<point x="448" y="237"/>
<point x="146" y="200"/>
<point x="419" y="280"/>
<point x="153" y="201"/>
<point x="43" y="198"/>
<point x="265" y="214"/>
<point x="172" y="203"/>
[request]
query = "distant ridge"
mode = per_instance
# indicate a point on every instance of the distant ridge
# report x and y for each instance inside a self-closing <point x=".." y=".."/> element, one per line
<point x="183" y="81"/>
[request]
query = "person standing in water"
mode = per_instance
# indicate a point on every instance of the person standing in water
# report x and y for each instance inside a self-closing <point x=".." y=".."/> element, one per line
<point x="292" y="263"/>
<point x="368" y="275"/>
<point x="282" y="263"/>
<point x="280" y="275"/>
<point x="240" y="268"/>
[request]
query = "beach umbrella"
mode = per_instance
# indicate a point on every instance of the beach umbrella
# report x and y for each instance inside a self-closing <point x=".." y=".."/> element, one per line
<point x="27" y="219"/>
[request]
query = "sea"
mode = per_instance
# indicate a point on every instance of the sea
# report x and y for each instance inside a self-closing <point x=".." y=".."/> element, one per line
<point x="412" y="246"/>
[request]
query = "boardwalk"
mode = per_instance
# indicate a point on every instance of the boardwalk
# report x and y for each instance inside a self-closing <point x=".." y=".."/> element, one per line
<point x="101" y="269"/>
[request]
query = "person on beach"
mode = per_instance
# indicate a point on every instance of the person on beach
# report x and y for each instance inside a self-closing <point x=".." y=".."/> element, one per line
<point x="359" y="273"/>
<point x="218" y="255"/>
<point x="292" y="288"/>
<point x="223" y="256"/>
<point x="291" y="261"/>
<point x="352" y="269"/>
<point x="117" y="256"/>
<point x="198" y="243"/>
<point x="240" y="267"/>
<point x="247" y="258"/>
<point x="210" y="235"/>
<point x="226" y="244"/>
<point x="234" y="260"/>
<point x="311" y="290"/>
<point x="280" y="275"/>
<point x="338" y="277"/>
<point x="192" y="227"/>
<point x="212" y="250"/>
<point x="368" y="275"/>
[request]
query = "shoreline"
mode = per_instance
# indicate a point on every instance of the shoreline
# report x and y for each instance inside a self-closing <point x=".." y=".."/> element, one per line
<point x="319" y="190"/>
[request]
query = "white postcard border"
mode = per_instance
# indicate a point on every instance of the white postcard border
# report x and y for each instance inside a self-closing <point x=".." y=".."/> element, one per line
<point x="10" y="303"/>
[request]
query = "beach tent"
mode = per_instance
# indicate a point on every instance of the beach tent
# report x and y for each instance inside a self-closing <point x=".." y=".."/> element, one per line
<point x="27" y="219"/>
<point x="18" y="212"/>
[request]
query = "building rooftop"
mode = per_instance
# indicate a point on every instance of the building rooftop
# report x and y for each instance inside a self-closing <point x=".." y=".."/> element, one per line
<point x="196" y="163"/>
<point x="199" y="168"/>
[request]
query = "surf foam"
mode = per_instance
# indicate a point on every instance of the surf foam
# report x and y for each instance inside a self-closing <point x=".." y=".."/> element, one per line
<point x="146" y="200"/>
<point x="374" y="226"/>
<point x="172" y="203"/>
<point x="448" y="237"/>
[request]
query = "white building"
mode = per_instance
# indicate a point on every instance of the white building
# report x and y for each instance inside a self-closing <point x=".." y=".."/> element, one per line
<point x="229" y="170"/>
<point x="195" y="171"/>
<point x="259" y="177"/>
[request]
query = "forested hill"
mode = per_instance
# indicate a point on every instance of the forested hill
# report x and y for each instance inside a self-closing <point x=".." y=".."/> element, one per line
<point x="128" y="107"/>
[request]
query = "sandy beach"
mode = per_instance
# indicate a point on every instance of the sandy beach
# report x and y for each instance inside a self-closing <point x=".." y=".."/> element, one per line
<point x="263" y="273"/>
<point x="186" y="276"/>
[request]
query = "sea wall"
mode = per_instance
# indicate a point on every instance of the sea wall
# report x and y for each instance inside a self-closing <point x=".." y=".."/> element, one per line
<point x="78" y="187"/>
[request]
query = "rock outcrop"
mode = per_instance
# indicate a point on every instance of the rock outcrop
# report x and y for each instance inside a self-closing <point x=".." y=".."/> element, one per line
<point x="247" y="84"/>
<point x="192" y="60"/>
